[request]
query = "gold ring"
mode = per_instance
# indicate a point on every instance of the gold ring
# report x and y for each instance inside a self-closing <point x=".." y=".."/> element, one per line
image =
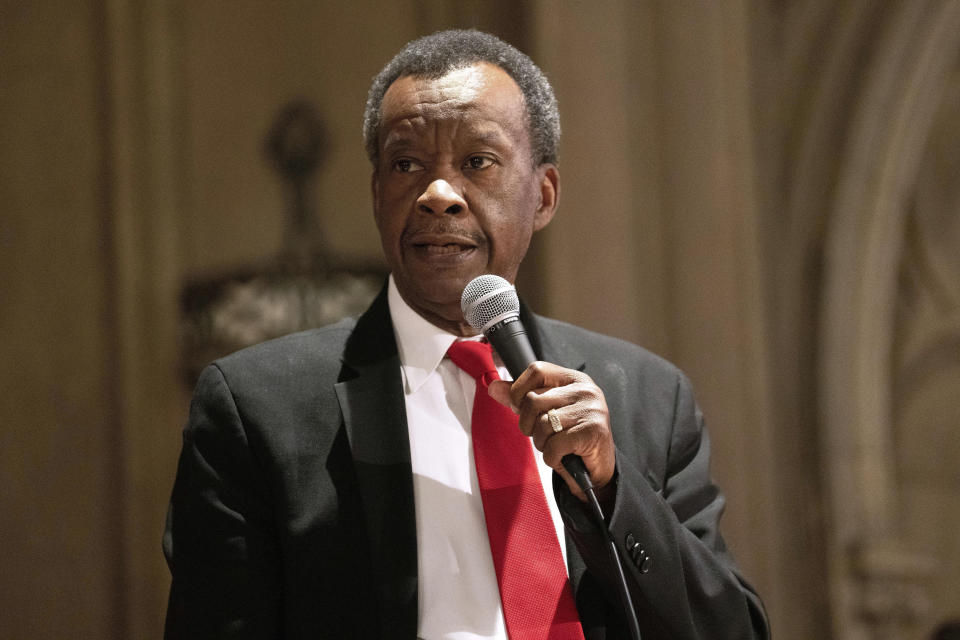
<point x="555" y="421"/>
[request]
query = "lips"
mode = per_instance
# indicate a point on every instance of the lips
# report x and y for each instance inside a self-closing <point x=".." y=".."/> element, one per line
<point x="441" y="244"/>
<point x="442" y="249"/>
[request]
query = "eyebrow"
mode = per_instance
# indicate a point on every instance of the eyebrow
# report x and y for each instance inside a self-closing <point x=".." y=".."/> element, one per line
<point x="399" y="140"/>
<point x="489" y="136"/>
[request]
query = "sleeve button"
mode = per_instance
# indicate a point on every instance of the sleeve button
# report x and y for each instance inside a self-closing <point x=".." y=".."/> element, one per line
<point x="645" y="564"/>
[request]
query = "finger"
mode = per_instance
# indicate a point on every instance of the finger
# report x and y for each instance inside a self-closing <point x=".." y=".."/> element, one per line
<point x="571" y="417"/>
<point x="545" y="427"/>
<point x="583" y="395"/>
<point x="557" y="465"/>
<point x="536" y="403"/>
<point x="499" y="390"/>
<point x="540" y="375"/>
<point x="587" y="440"/>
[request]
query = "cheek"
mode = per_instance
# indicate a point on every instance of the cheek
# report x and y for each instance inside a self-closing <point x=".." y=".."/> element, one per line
<point x="389" y="227"/>
<point x="390" y="234"/>
<point x="509" y="241"/>
<point x="389" y="215"/>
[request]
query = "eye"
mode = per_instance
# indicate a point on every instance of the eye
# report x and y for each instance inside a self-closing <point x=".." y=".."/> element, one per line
<point x="478" y="162"/>
<point x="406" y="165"/>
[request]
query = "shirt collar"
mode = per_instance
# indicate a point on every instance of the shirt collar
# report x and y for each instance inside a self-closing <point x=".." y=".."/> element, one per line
<point x="421" y="344"/>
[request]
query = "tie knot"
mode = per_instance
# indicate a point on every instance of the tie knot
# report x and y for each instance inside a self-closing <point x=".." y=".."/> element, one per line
<point x="476" y="358"/>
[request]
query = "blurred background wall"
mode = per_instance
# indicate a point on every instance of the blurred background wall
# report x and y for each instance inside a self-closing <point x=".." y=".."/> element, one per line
<point x="763" y="191"/>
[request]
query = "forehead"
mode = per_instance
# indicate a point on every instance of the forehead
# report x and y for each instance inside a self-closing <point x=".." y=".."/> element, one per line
<point x="481" y="94"/>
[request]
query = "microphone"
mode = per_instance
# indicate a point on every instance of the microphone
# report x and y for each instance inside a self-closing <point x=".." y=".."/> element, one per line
<point x="490" y="305"/>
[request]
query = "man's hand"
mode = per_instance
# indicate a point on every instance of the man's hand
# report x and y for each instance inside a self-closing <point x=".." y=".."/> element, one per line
<point x="582" y="410"/>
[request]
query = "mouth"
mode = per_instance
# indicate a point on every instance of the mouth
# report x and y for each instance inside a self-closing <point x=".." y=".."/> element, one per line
<point x="442" y="249"/>
<point x="442" y="245"/>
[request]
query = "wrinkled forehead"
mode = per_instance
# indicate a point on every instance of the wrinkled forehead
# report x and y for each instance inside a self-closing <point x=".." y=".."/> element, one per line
<point x="459" y="87"/>
<point x="482" y="91"/>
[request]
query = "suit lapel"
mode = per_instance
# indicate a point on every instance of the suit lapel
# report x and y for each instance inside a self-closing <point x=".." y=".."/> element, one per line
<point x="371" y="399"/>
<point x="548" y="346"/>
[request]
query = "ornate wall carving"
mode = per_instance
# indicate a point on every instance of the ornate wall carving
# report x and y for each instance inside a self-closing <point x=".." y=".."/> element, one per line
<point x="877" y="577"/>
<point x="926" y="368"/>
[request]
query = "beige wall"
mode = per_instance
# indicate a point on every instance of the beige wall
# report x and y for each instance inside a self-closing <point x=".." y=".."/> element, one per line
<point x="59" y="459"/>
<point x="722" y="164"/>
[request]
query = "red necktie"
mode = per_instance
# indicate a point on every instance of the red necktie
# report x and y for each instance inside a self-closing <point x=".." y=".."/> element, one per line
<point x="534" y="589"/>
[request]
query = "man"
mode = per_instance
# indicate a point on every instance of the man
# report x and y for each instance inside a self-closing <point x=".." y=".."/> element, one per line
<point x="328" y="485"/>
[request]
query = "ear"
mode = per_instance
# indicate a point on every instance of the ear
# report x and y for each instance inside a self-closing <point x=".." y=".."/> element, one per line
<point x="375" y="192"/>
<point x="549" y="195"/>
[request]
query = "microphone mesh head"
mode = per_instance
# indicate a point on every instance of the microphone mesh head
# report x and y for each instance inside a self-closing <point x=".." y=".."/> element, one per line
<point x="487" y="299"/>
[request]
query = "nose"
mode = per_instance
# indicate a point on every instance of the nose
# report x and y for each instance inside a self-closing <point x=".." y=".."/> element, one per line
<point x="441" y="197"/>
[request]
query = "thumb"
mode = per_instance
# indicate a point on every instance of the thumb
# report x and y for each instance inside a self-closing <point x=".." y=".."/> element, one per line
<point x="499" y="390"/>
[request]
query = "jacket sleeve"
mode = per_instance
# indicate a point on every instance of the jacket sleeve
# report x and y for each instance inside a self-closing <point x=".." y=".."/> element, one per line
<point x="220" y="541"/>
<point x="664" y="523"/>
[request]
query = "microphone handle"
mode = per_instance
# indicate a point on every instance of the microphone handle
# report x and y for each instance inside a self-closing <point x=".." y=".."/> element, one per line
<point x="509" y="338"/>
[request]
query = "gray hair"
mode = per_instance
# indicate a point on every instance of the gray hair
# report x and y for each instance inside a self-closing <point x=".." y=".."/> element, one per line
<point x="438" y="54"/>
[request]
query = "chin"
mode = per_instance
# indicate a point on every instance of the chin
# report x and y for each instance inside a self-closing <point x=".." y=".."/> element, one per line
<point x="446" y="293"/>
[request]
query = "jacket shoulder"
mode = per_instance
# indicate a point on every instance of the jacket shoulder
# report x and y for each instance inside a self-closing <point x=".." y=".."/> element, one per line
<point x="315" y="354"/>
<point x="573" y="342"/>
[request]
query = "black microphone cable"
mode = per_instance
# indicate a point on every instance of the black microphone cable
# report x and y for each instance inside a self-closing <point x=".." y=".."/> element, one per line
<point x="575" y="467"/>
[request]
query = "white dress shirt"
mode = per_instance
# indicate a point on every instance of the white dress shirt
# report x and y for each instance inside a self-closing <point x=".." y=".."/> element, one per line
<point x="458" y="593"/>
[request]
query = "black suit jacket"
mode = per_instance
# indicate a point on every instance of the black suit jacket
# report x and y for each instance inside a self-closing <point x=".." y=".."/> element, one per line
<point x="292" y="513"/>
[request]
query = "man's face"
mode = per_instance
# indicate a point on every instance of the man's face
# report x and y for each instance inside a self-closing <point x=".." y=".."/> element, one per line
<point x="455" y="191"/>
